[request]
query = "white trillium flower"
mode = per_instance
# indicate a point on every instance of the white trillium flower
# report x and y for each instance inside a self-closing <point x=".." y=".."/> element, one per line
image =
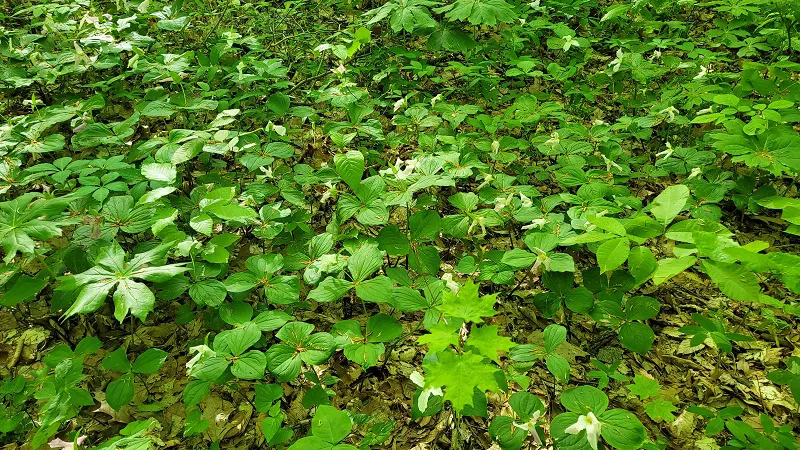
<point x="399" y="104"/>
<point x="666" y="153"/>
<point x="569" y="42"/>
<point x="500" y="203"/>
<point x="448" y="281"/>
<point x="617" y="62"/>
<point x="670" y="112"/>
<point x="703" y="72"/>
<point x="526" y="201"/>
<point x="554" y="140"/>
<point x="530" y="427"/>
<point x="695" y="172"/>
<point x="591" y="425"/>
<point x="426" y="393"/>
<point x="435" y="99"/>
<point x="536" y="223"/>
<point x="400" y="172"/>
<point x="656" y="55"/>
<point x="202" y="351"/>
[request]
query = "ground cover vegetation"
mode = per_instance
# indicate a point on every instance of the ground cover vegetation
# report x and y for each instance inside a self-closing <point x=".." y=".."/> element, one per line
<point x="406" y="224"/>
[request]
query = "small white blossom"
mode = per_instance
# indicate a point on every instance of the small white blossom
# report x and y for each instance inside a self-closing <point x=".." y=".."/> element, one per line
<point x="399" y="104"/>
<point x="705" y="111"/>
<point x="591" y="425"/>
<point x="435" y="99"/>
<point x="656" y="55"/>
<point x="426" y="393"/>
<point x="569" y="42"/>
<point x="695" y="172"/>
<point x="340" y="70"/>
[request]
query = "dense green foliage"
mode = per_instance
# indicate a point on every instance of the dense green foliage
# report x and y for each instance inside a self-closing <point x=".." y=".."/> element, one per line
<point x="411" y="224"/>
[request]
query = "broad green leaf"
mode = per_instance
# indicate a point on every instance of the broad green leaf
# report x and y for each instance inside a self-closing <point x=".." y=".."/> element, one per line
<point x="734" y="280"/>
<point x="365" y="261"/>
<point x="636" y="336"/>
<point x="330" y="424"/>
<point x="383" y="328"/>
<point x="622" y="430"/>
<point x="670" y="267"/>
<point x="133" y="297"/>
<point x="120" y="391"/>
<point x="350" y="166"/>
<point x="613" y="253"/>
<point x="669" y="203"/>
<point x="150" y="361"/>
<point x="249" y="366"/>
<point x="644" y="387"/>
<point x="583" y="399"/>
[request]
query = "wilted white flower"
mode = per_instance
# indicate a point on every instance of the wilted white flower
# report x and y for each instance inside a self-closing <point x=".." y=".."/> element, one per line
<point x="705" y="111"/>
<point x="617" y="62"/>
<point x="400" y="172"/>
<point x="526" y="202"/>
<point x="656" y="55"/>
<point x="202" y="351"/>
<point x="340" y="70"/>
<point x="569" y="42"/>
<point x="426" y="393"/>
<point x="279" y="129"/>
<point x="448" y="281"/>
<point x="530" y="427"/>
<point x="328" y="193"/>
<point x="500" y="203"/>
<point x="670" y="112"/>
<point x="125" y="22"/>
<point x="480" y="221"/>
<point x="590" y="424"/>
<point x="703" y="72"/>
<point x="610" y="163"/>
<point x="399" y="104"/>
<point x="65" y="445"/>
<point x="536" y="223"/>
<point x="435" y="99"/>
<point x="666" y="153"/>
<point x="695" y="172"/>
<point x="554" y="139"/>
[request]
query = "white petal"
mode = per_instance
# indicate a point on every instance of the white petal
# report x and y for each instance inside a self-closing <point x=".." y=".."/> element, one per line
<point x="592" y="430"/>
<point x="422" y="401"/>
<point x="578" y="426"/>
<point x="417" y="378"/>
